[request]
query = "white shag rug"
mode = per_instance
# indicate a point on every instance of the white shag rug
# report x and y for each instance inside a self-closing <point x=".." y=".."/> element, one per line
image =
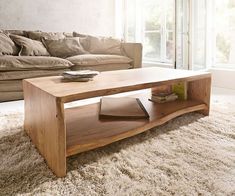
<point x="190" y="155"/>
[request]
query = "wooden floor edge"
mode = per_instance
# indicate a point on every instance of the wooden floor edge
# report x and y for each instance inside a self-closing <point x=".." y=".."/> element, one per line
<point x="103" y="142"/>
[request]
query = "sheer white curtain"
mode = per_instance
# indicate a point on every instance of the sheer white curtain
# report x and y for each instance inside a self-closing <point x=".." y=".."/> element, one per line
<point x="213" y="34"/>
<point x="152" y="23"/>
<point x="194" y="34"/>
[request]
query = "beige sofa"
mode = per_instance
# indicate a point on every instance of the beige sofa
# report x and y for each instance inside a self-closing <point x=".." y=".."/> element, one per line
<point x="27" y="54"/>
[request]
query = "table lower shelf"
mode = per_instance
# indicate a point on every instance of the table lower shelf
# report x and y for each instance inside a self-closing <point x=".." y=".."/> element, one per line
<point x="85" y="131"/>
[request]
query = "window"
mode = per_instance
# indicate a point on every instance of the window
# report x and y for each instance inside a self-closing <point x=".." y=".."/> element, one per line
<point x="225" y="33"/>
<point x="213" y="35"/>
<point x="182" y="34"/>
<point x="152" y="22"/>
<point x="205" y="31"/>
<point x="199" y="34"/>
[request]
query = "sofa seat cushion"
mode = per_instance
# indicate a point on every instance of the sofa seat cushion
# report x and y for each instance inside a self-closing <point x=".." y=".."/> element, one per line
<point x="7" y="46"/>
<point x="98" y="59"/>
<point x="108" y="67"/>
<point x="14" y="63"/>
<point x="10" y="86"/>
<point x="16" y="75"/>
<point x="29" y="47"/>
<point x="11" y="96"/>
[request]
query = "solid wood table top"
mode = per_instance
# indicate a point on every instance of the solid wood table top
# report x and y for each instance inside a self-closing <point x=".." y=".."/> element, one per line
<point x="112" y="82"/>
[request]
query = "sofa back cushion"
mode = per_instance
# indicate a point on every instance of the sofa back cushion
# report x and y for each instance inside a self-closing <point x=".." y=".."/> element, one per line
<point x="64" y="47"/>
<point x="76" y="34"/>
<point x="29" y="47"/>
<point x="101" y="45"/>
<point x="38" y="35"/>
<point x="7" y="46"/>
<point x="104" y="45"/>
<point x="14" y="63"/>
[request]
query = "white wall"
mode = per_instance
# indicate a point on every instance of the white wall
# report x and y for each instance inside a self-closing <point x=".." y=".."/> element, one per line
<point x="86" y="16"/>
<point x="223" y="78"/>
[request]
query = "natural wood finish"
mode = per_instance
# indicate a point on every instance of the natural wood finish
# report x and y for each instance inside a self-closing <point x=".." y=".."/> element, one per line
<point x="82" y="135"/>
<point x="201" y="90"/>
<point x="45" y="118"/>
<point x="161" y="89"/>
<point x="113" y="82"/>
<point x="44" y="123"/>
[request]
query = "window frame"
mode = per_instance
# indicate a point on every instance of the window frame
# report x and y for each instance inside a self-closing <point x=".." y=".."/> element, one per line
<point x="140" y="35"/>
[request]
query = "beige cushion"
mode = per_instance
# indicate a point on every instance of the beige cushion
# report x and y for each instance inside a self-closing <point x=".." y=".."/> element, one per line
<point x="101" y="45"/>
<point x="84" y="40"/>
<point x="76" y="34"/>
<point x="15" y="32"/>
<point x="16" y="75"/>
<point x="10" y="63"/>
<point x="98" y="59"/>
<point x="7" y="46"/>
<point x="12" y="85"/>
<point x="104" y="45"/>
<point x="108" y="67"/>
<point x="10" y="96"/>
<point x="37" y="35"/>
<point x="64" y="47"/>
<point x="66" y="34"/>
<point x="29" y="47"/>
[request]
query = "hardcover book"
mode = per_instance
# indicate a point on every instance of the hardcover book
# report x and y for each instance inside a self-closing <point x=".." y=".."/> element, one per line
<point x="122" y="107"/>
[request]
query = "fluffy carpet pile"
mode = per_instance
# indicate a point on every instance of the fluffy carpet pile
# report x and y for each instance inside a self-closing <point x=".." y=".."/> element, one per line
<point x="190" y="155"/>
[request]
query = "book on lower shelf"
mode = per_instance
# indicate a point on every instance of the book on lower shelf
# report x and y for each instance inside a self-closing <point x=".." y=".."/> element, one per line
<point x="122" y="108"/>
<point x="163" y="97"/>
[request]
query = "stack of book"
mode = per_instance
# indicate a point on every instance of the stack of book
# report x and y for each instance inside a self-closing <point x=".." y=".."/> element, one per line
<point x="166" y="93"/>
<point x="163" y="97"/>
<point x="79" y="76"/>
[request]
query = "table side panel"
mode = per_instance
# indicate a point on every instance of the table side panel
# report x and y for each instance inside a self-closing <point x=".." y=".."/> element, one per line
<point x="44" y="123"/>
<point x="201" y="90"/>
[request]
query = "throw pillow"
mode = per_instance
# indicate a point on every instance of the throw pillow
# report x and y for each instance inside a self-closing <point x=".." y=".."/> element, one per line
<point x="15" y="32"/>
<point x="64" y="47"/>
<point x="29" y="47"/>
<point x="104" y="45"/>
<point x="7" y="46"/>
<point x="37" y="35"/>
<point x="76" y="34"/>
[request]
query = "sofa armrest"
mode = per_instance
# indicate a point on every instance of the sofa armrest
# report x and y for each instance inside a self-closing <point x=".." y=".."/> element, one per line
<point x="134" y="51"/>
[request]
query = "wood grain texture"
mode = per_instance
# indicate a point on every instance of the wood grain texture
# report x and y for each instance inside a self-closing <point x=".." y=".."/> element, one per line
<point x="45" y="118"/>
<point x="82" y="135"/>
<point x="113" y="82"/>
<point x="44" y="123"/>
<point x="201" y="90"/>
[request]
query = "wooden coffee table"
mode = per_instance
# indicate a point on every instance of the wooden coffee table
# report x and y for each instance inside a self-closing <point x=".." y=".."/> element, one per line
<point x="58" y="132"/>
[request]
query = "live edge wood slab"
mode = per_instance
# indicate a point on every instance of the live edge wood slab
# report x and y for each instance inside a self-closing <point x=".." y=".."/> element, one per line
<point x="58" y="132"/>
